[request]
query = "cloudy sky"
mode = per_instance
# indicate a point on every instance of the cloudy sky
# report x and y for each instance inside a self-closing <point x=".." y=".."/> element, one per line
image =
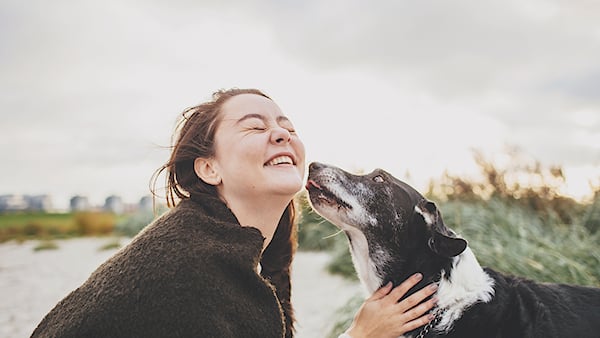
<point x="90" y="90"/>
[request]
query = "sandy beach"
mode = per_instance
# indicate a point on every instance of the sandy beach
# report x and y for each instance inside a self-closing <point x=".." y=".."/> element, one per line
<point x="32" y="282"/>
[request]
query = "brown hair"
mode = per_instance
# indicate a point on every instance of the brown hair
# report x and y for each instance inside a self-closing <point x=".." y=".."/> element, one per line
<point x="195" y="137"/>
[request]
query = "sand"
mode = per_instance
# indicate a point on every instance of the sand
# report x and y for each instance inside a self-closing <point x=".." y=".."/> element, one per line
<point x="32" y="282"/>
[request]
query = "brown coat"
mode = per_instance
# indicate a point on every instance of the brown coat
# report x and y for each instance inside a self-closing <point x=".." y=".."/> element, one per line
<point x="191" y="273"/>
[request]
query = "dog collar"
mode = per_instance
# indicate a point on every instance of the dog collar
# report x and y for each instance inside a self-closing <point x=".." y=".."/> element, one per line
<point x="437" y="316"/>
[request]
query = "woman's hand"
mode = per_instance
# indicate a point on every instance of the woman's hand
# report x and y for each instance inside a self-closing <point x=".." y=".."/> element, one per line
<point x="381" y="315"/>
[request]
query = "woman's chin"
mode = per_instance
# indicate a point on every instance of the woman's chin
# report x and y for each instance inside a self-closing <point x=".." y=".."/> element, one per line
<point x="290" y="187"/>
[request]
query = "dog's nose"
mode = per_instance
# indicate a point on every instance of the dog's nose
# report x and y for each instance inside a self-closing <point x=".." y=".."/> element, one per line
<point x="315" y="166"/>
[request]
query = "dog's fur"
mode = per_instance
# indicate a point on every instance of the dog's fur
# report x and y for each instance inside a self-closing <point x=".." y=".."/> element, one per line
<point x="394" y="232"/>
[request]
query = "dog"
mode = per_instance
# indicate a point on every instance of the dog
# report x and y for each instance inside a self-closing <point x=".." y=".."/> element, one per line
<point x="394" y="232"/>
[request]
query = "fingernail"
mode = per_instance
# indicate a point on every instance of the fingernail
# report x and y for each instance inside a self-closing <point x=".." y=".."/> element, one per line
<point x="430" y="316"/>
<point x="417" y="276"/>
<point x="433" y="286"/>
<point x="434" y="300"/>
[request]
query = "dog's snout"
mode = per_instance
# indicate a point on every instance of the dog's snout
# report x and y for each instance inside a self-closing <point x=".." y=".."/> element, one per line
<point x="316" y="166"/>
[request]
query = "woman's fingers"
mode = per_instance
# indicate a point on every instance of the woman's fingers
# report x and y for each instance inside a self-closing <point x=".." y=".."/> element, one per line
<point x="381" y="292"/>
<point x="419" y="310"/>
<point x="399" y="291"/>
<point x="417" y="316"/>
<point x="417" y="297"/>
<point x="382" y="316"/>
<point x="414" y="324"/>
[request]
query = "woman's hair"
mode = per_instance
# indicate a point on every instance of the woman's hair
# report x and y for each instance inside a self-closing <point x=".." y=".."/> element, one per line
<point x="195" y="137"/>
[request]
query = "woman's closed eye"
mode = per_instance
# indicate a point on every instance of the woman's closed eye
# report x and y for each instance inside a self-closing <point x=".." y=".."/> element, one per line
<point x="288" y="126"/>
<point x="290" y="129"/>
<point x="256" y="127"/>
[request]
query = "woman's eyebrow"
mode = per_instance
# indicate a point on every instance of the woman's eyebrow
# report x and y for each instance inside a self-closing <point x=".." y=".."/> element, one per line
<point x="279" y="118"/>
<point x="251" y="116"/>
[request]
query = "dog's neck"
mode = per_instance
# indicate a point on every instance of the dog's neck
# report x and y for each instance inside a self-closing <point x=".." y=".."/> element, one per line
<point x="462" y="281"/>
<point x="365" y="265"/>
<point x="466" y="285"/>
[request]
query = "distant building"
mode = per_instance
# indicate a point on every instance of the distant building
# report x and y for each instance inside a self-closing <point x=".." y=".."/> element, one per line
<point x="15" y="202"/>
<point x="39" y="202"/>
<point x="12" y="203"/>
<point x="114" y="204"/>
<point x="146" y="203"/>
<point x="79" y="203"/>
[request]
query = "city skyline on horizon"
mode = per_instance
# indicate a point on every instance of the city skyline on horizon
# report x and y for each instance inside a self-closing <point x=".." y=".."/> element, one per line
<point x="45" y="202"/>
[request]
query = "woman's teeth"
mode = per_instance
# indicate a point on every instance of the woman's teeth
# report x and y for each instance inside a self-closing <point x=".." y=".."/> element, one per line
<point x="280" y="160"/>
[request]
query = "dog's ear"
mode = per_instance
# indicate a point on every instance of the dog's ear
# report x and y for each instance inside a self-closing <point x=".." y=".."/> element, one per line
<point x="442" y="241"/>
<point x="445" y="245"/>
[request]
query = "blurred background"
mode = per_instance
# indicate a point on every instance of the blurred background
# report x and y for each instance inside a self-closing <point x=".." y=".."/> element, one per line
<point x="492" y="108"/>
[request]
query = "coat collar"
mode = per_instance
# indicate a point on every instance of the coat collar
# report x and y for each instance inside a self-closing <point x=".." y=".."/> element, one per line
<point x="248" y="241"/>
<point x="211" y="206"/>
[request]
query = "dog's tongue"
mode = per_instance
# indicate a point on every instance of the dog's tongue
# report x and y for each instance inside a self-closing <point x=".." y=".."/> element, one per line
<point x="310" y="183"/>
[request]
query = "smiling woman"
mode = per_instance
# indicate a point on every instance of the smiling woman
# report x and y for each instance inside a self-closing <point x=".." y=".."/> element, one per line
<point x="258" y="160"/>
<point x="218" y="263"/>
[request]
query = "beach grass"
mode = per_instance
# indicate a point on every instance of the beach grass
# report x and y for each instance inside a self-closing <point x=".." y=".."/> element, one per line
<point x="38" y="225"/>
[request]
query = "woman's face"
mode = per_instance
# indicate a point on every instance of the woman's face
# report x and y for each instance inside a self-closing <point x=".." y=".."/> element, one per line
<point x="257" y="150"/>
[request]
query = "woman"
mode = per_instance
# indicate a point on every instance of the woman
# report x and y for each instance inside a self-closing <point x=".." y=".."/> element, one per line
<point x="218" y="263"/>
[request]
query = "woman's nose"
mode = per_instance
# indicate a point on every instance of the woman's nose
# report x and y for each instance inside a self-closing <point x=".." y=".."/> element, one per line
<point x="280" y="135"/>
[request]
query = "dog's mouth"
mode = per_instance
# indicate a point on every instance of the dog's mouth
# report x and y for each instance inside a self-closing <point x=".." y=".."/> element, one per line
<point x="323" y="195"/>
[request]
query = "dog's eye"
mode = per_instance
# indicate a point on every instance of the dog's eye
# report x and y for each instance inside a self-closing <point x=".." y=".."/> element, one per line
<point x="378" y="179"/>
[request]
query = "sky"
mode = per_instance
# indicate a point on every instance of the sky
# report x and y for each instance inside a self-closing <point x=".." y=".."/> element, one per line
<point x="90" y="90"/>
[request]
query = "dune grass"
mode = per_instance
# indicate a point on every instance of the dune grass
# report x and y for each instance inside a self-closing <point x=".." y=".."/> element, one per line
<point x="514" y="240"/>
<point x="37" y="225"/>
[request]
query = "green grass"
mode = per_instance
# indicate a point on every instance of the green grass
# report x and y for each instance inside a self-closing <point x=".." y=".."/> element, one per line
<point x="513" y="240"/>
<point x="36" y="225"/>
<point x="19" y="220"/>
<point x="22" y="226"/>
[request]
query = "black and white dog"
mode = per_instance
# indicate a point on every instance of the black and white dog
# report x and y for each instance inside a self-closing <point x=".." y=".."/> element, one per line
<point x="394" y="232"/>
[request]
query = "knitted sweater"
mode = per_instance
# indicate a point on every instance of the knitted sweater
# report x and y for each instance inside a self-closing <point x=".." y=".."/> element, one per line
<point x="191" y="273"/>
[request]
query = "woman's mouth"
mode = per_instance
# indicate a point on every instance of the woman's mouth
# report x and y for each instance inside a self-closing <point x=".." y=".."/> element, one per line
<point x="283" y="159"/>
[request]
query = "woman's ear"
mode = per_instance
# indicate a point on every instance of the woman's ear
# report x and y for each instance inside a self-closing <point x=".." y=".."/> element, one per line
<point x="205" y="170"/>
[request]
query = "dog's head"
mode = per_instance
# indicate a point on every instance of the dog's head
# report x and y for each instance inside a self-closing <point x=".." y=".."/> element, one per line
<point x="393" y="218"/>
